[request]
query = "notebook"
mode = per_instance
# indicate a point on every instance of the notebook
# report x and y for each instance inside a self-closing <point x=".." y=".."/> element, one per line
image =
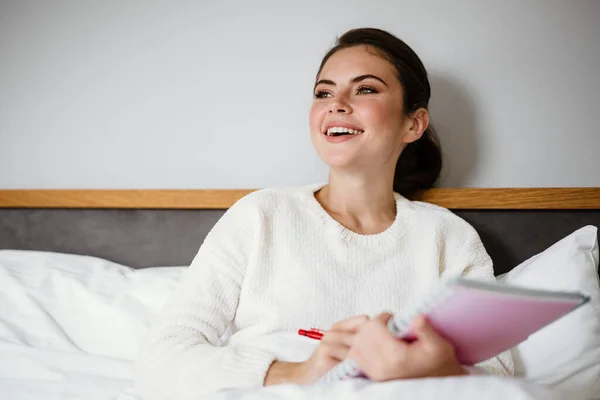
<point x="480" y="319"/>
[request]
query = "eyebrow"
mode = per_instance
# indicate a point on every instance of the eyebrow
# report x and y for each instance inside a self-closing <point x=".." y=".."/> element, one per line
<point x="354" y="80"/>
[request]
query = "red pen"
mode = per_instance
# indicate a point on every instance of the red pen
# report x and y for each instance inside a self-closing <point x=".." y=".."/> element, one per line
<point x="312" y="333"/>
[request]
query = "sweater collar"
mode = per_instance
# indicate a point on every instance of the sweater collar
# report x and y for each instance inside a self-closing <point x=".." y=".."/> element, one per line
<point x="388" y="238"/>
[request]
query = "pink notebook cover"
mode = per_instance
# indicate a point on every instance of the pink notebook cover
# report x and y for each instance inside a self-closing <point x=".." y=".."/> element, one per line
<point x="483" y="320"/>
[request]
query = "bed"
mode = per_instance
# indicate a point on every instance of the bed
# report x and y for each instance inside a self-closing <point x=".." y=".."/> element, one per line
<point x="84" y="272"/>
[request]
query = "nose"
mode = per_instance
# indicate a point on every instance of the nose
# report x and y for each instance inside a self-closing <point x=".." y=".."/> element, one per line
<point x="340" y="105"/>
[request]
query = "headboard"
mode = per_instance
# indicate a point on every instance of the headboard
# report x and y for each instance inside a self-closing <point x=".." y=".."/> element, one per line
<point x="145" y="228"/>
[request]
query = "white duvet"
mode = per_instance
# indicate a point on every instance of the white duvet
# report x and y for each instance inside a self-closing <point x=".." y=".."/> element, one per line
<point x="449" y="388"/>
<point x="28" y="373"/>
<point x="71" y="326"/>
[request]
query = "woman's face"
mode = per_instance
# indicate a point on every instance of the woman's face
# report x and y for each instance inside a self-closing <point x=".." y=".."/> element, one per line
<point x="358" y="90"/>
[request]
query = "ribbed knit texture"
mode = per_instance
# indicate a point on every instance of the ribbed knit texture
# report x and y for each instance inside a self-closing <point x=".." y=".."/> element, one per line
<point x="277" y="261"/>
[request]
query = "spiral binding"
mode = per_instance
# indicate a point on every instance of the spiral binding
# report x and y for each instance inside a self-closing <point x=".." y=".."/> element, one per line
<point x="398" y="325"/>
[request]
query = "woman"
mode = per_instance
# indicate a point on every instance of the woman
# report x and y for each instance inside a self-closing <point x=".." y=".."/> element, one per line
<point x="327" y="255"/>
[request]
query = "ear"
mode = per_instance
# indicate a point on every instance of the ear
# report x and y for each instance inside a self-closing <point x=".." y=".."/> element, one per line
<point x="417" y="124"/>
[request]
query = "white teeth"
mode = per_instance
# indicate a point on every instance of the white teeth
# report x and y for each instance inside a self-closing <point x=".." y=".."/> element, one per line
<point x="338" y="129"/>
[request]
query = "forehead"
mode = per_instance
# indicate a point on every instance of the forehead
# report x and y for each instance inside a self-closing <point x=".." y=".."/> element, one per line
<point x="355" y="61"/>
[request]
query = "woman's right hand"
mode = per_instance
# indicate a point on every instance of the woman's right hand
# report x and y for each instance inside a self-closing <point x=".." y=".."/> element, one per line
<point x="332" y="349"/>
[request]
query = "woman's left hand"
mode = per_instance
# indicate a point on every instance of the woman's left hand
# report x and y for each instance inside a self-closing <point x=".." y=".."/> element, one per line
<point x="382" y="357"/>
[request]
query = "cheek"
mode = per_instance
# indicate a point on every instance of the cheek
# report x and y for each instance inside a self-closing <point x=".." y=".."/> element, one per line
<point x="378" y="116"/>
<point x="385" y="121"/>
<point x="317" y="115"/>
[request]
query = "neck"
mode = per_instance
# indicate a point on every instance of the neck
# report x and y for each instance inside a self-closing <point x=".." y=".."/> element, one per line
<point x="359" y="197"/>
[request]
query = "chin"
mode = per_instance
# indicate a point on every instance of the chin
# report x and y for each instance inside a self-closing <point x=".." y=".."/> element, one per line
<point x="339" y="160"/>
<point x="341" y="155"/>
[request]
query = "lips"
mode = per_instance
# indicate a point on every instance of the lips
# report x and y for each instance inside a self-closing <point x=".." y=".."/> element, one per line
<point x="340" y="129"/>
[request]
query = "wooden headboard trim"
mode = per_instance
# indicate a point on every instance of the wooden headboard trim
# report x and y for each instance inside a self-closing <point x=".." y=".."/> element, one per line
<point x="462" y="198"/>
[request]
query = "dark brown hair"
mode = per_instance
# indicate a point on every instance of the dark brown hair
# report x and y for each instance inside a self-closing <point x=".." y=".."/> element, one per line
<point x="420" y="163"/>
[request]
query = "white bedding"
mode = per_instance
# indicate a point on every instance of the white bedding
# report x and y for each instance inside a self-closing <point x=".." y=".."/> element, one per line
<point x="71" y="326"/>
<point x="450" y="388"/>
<point x="28" y="373"/>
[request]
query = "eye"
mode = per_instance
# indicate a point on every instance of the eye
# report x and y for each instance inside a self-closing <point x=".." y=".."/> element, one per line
<point x="321" y="94"/>
<point x="366" y="90"/>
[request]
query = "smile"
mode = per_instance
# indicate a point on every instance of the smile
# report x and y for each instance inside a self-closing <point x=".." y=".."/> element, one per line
<point x="340" y="131"/>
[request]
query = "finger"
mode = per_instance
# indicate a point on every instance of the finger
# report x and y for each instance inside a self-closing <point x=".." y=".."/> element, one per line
<point x="376" y="328"/>
<point x="384" y="317"/>
<point x="376" y="351"/>
<point x="351" y="323"/>
<point x="425" y="331"/>
<point x="336" y="351"/>
<point x="338" y="337"/>
<point x="376" y="335"/>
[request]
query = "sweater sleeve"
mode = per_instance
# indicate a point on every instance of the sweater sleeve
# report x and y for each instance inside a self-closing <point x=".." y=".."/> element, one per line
<point x="181" y="356"/>
<point x="471" y="260"/>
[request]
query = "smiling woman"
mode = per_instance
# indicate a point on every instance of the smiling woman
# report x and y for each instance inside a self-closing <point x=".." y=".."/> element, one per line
<point x="327" y="255"/>
<point x="373" y="77"/>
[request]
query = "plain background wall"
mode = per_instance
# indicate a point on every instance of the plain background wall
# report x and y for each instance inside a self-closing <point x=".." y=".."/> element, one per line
<point x="215" y="94"/>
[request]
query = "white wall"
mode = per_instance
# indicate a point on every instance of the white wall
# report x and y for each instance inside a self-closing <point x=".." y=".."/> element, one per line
<point x="199" y="94"/>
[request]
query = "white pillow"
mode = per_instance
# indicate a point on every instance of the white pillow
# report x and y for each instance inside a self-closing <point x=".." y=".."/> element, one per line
<point x="76" y="303"/>
<point x="566" y="353"/>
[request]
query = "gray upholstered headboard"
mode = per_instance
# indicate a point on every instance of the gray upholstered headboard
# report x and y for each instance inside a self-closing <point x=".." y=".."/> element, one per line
<point x="164" y="237"/>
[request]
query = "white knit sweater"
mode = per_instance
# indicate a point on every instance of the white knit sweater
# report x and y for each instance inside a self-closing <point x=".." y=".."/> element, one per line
<point x="276" y="262"/>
